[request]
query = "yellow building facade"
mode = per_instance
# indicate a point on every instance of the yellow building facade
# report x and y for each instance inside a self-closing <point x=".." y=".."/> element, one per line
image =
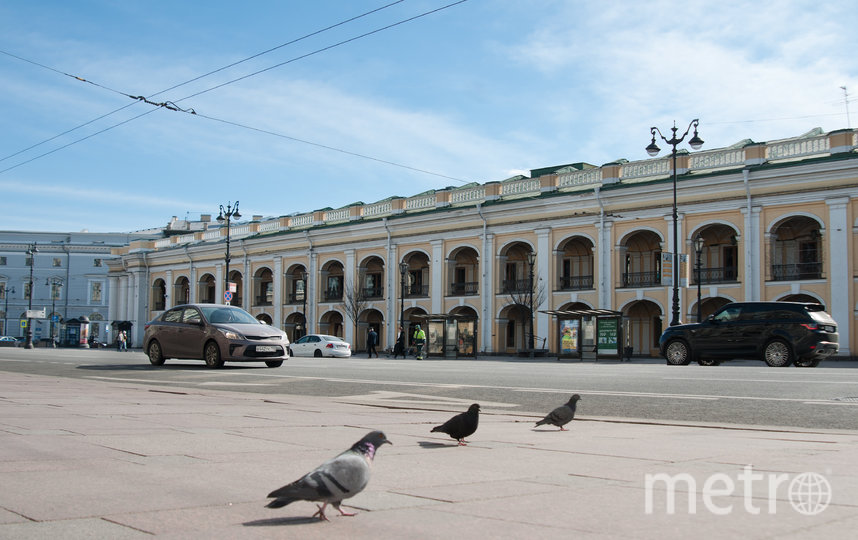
<point x="776" y="221"/>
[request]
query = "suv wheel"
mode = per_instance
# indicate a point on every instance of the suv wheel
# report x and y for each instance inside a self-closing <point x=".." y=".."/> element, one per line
<point x="777" y="353"/>
<point x="677" y="353"/>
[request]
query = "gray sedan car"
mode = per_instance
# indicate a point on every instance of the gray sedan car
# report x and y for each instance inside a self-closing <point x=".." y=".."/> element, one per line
<point x="215" y="333"/>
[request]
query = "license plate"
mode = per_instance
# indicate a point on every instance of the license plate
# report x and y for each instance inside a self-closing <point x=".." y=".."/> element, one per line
<point x="265" y="348"/>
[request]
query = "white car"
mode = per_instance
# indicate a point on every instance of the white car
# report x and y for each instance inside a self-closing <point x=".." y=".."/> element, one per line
<point x="319" y="345"/>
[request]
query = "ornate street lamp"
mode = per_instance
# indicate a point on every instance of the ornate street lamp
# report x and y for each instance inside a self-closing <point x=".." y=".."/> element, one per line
<point x="55" y="285"/>
<point x="230" y="213"/>
<point x="699" y="244"/>
<point x="531" y="260"/>
<point x="403" y="269"/>
<point x="695" y="142"/>
<point x="31" y="252"/>
<point x="6" y="292"/>
<point x="304" y="276"/>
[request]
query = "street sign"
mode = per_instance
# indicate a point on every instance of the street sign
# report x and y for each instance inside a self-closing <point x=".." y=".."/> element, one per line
<point x="23" y="323"/>
<point x="227" y="297"/>
<point x="35" y="313"/>
<point x="232" y="287"/>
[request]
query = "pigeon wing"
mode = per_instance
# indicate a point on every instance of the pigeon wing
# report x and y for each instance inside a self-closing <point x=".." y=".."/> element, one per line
<point x="339" y="478"/>
<point x="558" y="417"/>
<point x="453" y="426"/>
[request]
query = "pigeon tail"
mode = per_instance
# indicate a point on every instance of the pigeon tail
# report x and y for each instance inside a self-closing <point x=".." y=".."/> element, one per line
<point x="279" y="503"/>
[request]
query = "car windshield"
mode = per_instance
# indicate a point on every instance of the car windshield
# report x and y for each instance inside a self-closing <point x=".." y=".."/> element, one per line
<point x="228" y="315"/>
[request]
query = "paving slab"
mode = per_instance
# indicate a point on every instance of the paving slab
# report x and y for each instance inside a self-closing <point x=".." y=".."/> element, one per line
<point x="106" y="459"/>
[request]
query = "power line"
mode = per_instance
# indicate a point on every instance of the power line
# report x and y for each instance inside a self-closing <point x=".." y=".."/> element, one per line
<point x="171" y="105"/>
<point x="141" y="98"/>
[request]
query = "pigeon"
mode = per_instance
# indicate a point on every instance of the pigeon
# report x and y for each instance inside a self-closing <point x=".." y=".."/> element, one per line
<point x="334" y="480"/>
<point x="461" y="425"/>
<point x="562" y="415"/>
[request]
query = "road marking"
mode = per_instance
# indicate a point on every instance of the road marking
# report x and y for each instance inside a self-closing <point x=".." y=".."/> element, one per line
<point x="400" y="398"/>
<point x="801" y="381"/>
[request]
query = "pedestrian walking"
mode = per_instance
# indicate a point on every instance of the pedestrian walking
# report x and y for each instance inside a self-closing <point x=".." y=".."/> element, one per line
<point x="399" y="347"/>
<point x="419" y="340"/>
<point x="371" y="342"/>
<point x="121" y="338"/>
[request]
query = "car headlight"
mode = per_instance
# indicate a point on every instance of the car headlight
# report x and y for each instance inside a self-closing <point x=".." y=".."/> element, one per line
<point x="229" y="334"/>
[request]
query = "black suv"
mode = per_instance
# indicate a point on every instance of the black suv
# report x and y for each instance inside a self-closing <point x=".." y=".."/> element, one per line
<point x="778" y="332"/>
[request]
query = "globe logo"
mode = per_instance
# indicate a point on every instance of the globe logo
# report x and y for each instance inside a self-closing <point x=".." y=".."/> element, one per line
<point x="809" y="493"/>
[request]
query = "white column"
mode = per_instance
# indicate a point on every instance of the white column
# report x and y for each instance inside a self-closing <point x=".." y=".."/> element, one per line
<point x="487" y="286"/>
<point x="543" y="261"/>
<point x="604" y="268"/>
<point x="277" y="278"/>
<point x="171" y="291"/>
<point x="837" y="240"/>
<point x="349" y="277"/>
<point x="436" y="281"/>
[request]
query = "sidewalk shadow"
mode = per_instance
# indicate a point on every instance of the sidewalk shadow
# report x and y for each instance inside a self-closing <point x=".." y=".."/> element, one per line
<point x="435" y="444"/>
<point x="275" y="522"/>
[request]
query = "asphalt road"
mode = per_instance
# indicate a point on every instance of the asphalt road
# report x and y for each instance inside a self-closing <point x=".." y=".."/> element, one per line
<point x="735" y="393"/>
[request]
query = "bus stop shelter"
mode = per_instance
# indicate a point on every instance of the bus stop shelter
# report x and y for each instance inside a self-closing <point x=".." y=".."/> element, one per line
<point x="588" y="334"/>
<point x="448" y="335"/>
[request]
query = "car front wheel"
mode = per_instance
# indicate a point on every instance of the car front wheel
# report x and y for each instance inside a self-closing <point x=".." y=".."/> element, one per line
<point x="156" y="355"/>
<point x="777" y="353"/>
<point x="678" y="353"/>
<point x="212" y="355"/>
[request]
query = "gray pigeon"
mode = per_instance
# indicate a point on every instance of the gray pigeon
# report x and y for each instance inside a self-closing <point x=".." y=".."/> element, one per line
<point x="461" y="425"/>
<point x="334" y="480"/>
<point x="562" y="415"/>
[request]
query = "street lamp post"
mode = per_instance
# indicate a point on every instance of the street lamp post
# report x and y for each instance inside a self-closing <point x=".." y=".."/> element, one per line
<point x="54" y="284"/>
<point x="698" y="248"/>
<point x="31" y="252"/>
<point x="230" y="213"/>
<point x="6" y="292"/>
<point x="531" y="260"/>
<point x="695" y="142"/>
<point x="304" y="276"/>
<point x="403" y="269"/>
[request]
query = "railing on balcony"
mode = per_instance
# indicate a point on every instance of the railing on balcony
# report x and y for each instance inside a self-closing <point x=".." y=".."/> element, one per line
<point x="373" y="293"/>
<point x="641" y="279"/>
<point x="263" y="300"/>
<point x="332" y="295"/>
<point x="575" y="283"/>
<point x="789" y="272"/>
<point x="515" y="286"/>
<point x="296" y="298"/>
<point x="416" y="291"/>
<point x="465" y="288"/>
<point x="725" y="274"/>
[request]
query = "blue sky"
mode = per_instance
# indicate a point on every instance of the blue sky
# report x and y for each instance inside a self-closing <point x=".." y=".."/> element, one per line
<point x="478" y="91"/>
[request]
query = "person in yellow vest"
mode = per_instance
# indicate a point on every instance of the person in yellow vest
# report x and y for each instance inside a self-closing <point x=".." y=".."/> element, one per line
<point x="419" y="340"/>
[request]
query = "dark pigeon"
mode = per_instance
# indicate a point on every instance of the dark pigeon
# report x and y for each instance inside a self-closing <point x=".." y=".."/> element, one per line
<point x="462" y="425"/>
<point x="562" y="415"/>
<point x="334" y="480"/>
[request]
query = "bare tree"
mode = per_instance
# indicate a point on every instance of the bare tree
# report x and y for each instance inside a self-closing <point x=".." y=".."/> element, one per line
<point x="354" y="302"/>
<point x="530" y="299"/>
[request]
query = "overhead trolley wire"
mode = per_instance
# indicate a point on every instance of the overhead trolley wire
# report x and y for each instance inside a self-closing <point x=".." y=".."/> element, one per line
<point x="167" y="105"/>
<point x="172" y="106"/>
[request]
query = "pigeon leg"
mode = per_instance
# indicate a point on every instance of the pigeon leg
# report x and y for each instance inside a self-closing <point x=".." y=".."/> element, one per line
<point x="462" y="442"/>
<point x="563" y="428"/>
<point x="343" y="512"/>
<point x="321" y="512"/>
